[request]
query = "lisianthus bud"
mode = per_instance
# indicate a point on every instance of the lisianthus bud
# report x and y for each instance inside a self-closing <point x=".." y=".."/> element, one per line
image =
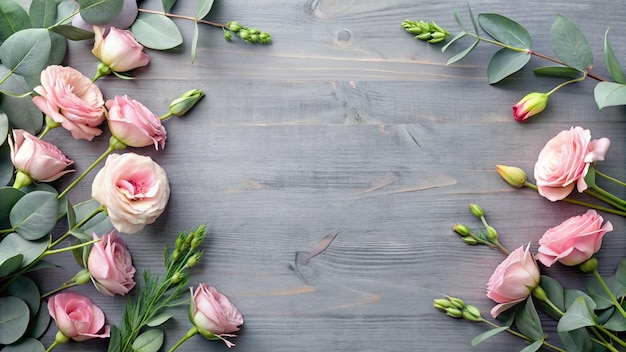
<point x="185" y="102"/>
<point x="454" y="312"/>
<point x="530" y="105"/>
<point x="428" y="31"/>
<point x="492" y="234"/>
<point x="514" y="176"/>
<point x="476" y="210"/>
<point x="461" y="229"/>
<point x="442" y="304"/>
<point x="470" y="240"/>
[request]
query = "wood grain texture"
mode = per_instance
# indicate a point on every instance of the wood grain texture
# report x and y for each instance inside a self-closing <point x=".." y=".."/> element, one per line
<point x="347" y="125"/>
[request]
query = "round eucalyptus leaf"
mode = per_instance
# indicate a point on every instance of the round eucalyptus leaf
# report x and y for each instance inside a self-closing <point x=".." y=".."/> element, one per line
<point x="156" y="32"/>
<point x="14" y="18"/>
<point x="9" y="196"/>
<point x="11" y="264"/>
<point x="4" y="127"/>
<point x="504" y="63"/>
<point x="35" y="214"/>
<point x="609" y="94"/>
<point x="27" y="344"/>
<point x="72" y="33"/>
<point x="59" y="49"/>
<point x="15" y="244"/>
<point x="505" y="30"/>
<point x="43" y="13"/>
<point x="26" y="52"/>
<point x="149" y="341"/>
<point x="14" y="318"/>
<point x="100" y="11"/>
<point x="6" y="174"/>
<point x="26" y="289"/>
<point x="570" y="44"/>
<point x="39" y="324"/>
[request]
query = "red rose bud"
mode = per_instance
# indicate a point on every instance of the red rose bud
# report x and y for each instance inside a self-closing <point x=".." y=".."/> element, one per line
<point x="530" y="105"/>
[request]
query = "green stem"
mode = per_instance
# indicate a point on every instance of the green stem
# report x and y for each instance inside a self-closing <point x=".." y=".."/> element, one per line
<point x="69" y="248"/>
<point x="524" y="337"/>
<point x="214" y="24"/>
<point x="581" y="78"/>
<point x="606" y="289"/>
<point x="78" y="225"/>
<point x="490" y="41"/>
<point x="610" y="198"/>
<point x="585" y="204"/>
<point x="611" y="335"/>
<point x="621" y="183"/>
<point x="75" y="182"/>
<point x="65" y="285"/>
<point x="556" y="61"/>
<point x="193" y="331"/>
<point x="52" y="346"/>
<point x="164" y="117"/>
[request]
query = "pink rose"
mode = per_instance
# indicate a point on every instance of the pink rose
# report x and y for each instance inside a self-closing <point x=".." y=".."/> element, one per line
<point x="71" y="99"/>
<point x="212" y="313"/>
<point x="513" y="280"/>
<point x="77" y="317"/>
<point x="133" y="124"/>
<point x="110" y="265"/>
<point x="40" y="160"/>
<point x="573" y="241"/>
<point x="133" y="188"/>
<point x="564" y="161"/>
<point x="118" y="49"/>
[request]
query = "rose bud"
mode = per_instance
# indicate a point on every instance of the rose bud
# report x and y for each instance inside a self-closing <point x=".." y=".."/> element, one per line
<point x="118" y="49"/>
<point x="185" y="102"/>
<point x="530" y="105"/>
<point x="514" y="176"/>
<point x="77" y="317"/>
<point x="213" y="314"/>
<point x="110" y="265"/>
<point x="133" y="124"/>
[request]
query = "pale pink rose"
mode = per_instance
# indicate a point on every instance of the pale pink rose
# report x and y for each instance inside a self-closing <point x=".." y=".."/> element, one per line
<point x="134" y="124"/>
<point x="110" y="265"/>
<point x="118" y="49"/>
<point x="133" y="188"/>
<point x="213" y="314"/>
<point x="77" y="317"/>
<point x="513" y="280"/>
<point x="573" y="241"/>
<point x="564" y="162"/>
<point x="70" y="98"/>
<point x="40" y="160"/>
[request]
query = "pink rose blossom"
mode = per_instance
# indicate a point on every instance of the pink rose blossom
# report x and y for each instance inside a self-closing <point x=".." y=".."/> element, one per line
<point x="40" y="160"/>
<point x="574" y="241"/>
<point x="513" y="280"/>
<point x="133" y="188"/>
<point x="564" y="162"/>
<point x="118" y="49"/>
<point x="77" y="317"/>
<point x="71" y="99"/>
<point x="110" y="265"/>
<point x="133" y="124"/>
<point x="213" y="314"/>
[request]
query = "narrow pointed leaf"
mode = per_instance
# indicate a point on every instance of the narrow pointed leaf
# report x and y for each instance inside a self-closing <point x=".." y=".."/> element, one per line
<point x="457" y="37"/>
<point x="203" y="7"/>
<point x="156" y="32"/>
<point x="72" y="33"/>
<point x="612" y="64"/>
<point x="13" y="18"/>
<point x="570" y="44"/>
<point x="471" y="14"/>
<point x="505" y="30"/>
<point x="457" y="17"/>
<point x="194" y="42"/>
<point x="558" y="71"/>
<point x="535" y="346"/>
<point x="609" y="94"/>
<point x="504" y="63"/>
<point x="27" y="51"/>
<point x="100" y="11"/>
<point x="462" y="54"/>
<point x="486" y="335"/>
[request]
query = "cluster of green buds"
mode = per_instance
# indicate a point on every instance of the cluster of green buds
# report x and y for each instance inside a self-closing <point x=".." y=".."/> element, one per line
<point x="185" y="253"/>
<point x="427" y="31"/>
<point x="249" y="35"/>
<point x="488" y="236"/>
<point x="456" y="308"/>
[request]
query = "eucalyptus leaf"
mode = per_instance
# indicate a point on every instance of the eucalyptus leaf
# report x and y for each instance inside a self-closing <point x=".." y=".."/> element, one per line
<point x="43" y="13"/>
<point x="620" y="273"/>
<point x="535" y="346"/>
<point x="9" y="196"/>
<point x="578" y="315"/>
<point x="203" y="7"/>
<point x="26" y="290"/>
<point x="609" y="94"/>
<point x="13" y="18"/>
<point x="100" y="224"/>
<point x="41" y="264"/>
<point x="72" y="33"/>
<point x="557" y="71"/>
<point x="39" y="324"/>
<point x="576" y="340"/>
<point x="100" y="11"/>
<point x="150" y="340"/>
<point x="453" y="40"/>
<point x="14" y="318"/>
<point x="4" y="127"/>
<point x="194" y="42"/>
<point x="11" y="264"/>
<point x="505" y="30"/>
<point x="65" y="10"/>
<point x="156" y="32"/>
<point x="570" y="44"/>
<point x="27" y="51"/>
<point x="34" y="215"/>
<point x="471" y="14"/>
<point x="159" y="319"/>
<point x="57" y="52"/>
<point x="598" y="294"/>
<point x="504" y="63"/>
<point x="6" y="174"/>
<point x="572" y="295"/>
<point x="487" y="334"/>
<point x="167" y="5"/>
<point x="22" y="113"/>
<point x="457" y="17"/>
<point x="27" y="344"/>
<point x="14" y="244"/>
<point x="611" y="61"/>
<point x="462" y="54"/>
<point x="528" y="322"/>
<point x="616" y="322"/>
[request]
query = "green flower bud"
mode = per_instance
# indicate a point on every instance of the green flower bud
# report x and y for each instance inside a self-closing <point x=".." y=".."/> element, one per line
<point x="454" y="312"/>
<point x="476" y="210"/>
<point x="531" y="104"/>
<point x="234" y="26"/>
<point x="492" y="234"/>
<point x="442" y="304"/>
<point x="514" y="176"/>
<point x="428" y="31"/>
<point x="424" y="36"/>
<point x="470" y="240"/>
<point x="176" y="278"/>
<point x="192" y="261"/>
<point x="457" y="302"/>
<point x="82" y="277"/>
<point x="185" y="102"/>
<point x="473" y="311"/>
<point x="468" y="316"/>
<point x="228" y="36"/>
<point x="244" y="34"/>
<point x="175" y="254"/>
<point x="589" y="265"/>
<point x="461" y="229"/>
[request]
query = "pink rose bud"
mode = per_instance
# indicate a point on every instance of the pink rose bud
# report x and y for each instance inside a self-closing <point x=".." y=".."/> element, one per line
<point x="574" y="241"/>
<point x="110" y="265"/>
<point x="77" y="317"/>
<point x="213" y="314"/>
<point x="70" y="98"/>
<point x="133" y="188"/>
<point x="134" y="124"/>
<point x="118" y="49"/>
<point x="530" y="105"/>
<point x="513" y="280"/>
<point x="564" y="161"/>
<point x="40" y="160"/>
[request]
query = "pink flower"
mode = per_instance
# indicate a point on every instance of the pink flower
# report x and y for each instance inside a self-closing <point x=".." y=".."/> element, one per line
<point x="71" y="99"/>
<point x="110" y="265"/>
<point x="40" y="160"/>
<point x="213" y="314"/>
<point x="133" y="188"/>
<point x="531" y="104"/>
<point x="574" y="241"/>
<point x="77" y="317"/>
<point x="564" y="162"/>
<point x="513" y="280"/>
<point x="133" y="124"/>
<point x="118" y="49"/>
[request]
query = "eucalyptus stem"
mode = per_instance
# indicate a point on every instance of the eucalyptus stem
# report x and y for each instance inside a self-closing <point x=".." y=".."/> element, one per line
<point x="608" y="291"/>
<point x="495" y="42"/>
<point x="78" y="225"/>
<point x="109" y="150"/>
<point x="521" y="336"/>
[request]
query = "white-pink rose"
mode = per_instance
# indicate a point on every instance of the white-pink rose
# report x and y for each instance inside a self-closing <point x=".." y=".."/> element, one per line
<point x="77" y="317"/>
<point x="118" y="49"/>
<point x="513" y="280"/>
<point x="110" y="265"/>
<point x="40" y="160"/>
<point x="134" y="124"/>
<point x="213" y="314"/>
<point x="70" y="98"/>
<point x="564" y="162"/>
<point x="133" y="188"/>
<point x="574" y="241"/>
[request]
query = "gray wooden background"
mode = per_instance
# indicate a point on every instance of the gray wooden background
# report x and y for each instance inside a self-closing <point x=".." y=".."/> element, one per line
<point x="346" y="124"/>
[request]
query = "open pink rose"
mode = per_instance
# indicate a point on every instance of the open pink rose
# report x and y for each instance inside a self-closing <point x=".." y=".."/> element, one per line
<point x="213" y="314"/>
<point x="133" y="124"/>
<point x="40" y="160"/>
<point x="513" y="280"/>
<point x="70" y="98"/>
<point x="118" y="49"/>
<point x="110" y="265"/>
<point x="564" y="162"/>
<point x="573" y="241"/>
<point x="133" y="188"/>
<point x="77" y="317"/>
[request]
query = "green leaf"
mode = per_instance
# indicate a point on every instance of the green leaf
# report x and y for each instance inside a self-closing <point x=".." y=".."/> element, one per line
<point x="149" y="341"/>
<point x="578" y="315"/>
<point x="72" y="33"/>
<point x="9" y="265"/>
<point x="457" y="17"/>
<point x="504" y="63"/>
<point x="9" y="196"/>
<point x="462" y="54"/>
<point x="115" y="342"/>
<point x="26" y="344"/>
<point x="612" y="63"/>
<point x="34" y="215"/>
<point x="505" y="30"/>
<point x="27" y="51"/>
<point x="486" y="335"/>
<point x="14" y="318"/>
<point x="558" y="71"/>
<point x="6" y="173"/>
<point x="26" y="290"/>
<point x="14" y="244"/>
<point x="194" y="42"/>
<point x="22" y="113"/>
<point x="100" y="11"/>
<point x="39" y="324"/>
<point x="159" y="319"/>
<point x="576" y="340"/>
<point x="99" y="224"/>
<point x="609" y="94"/>
<point x="168" y="4"/>
<point x="615" y="322"/>
<point x="13" y="18"/>
<point x="457" y="37"/>
<point x="474" y="23"/>
<point x="43" y="13"/>
<point x="156" y="32"/>
<point x="4" y="127"/>
<point x="599" y="295"/>
<point x="528" y="322"/>
<point x="570" y="44"/>
<point x="203" y="7"/>
<point x="535" y="346"/>
<point x="620" y="273"/>
<point x="58" y="51"/>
